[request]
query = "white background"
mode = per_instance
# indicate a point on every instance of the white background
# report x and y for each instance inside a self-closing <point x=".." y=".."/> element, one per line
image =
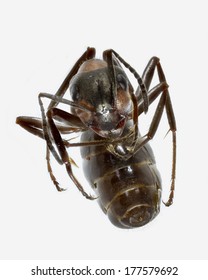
<point x="40" y="42"/>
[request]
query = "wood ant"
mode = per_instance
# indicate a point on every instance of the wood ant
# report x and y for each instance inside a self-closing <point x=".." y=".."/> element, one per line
<point x="117" y="161"/>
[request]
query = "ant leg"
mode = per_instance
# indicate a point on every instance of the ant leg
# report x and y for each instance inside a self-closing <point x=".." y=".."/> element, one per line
<point x="149" y="71"/>
<point x="63" y="152"/>
<point x="152" y="95"/>
<point x="34" y="125"/>
<point x="88" y="54"/>
<point x="147" y="78"/>
<point x="40" y="127"/>
<point x="46" y="132"/>
<point x="51" y="134"/>
<point x="31" y="124"/>
<point x="164" y="102"/>
<point x="68" y="119"/>
<point x="133" y="71"/>
<point x="50" y="171"/>
<point x="172" y="124"/>
<point x="112" y="58"/>
<point x="72" y="124"/>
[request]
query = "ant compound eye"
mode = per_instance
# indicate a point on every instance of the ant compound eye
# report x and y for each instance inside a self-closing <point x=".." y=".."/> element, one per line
<point x="74" y="90"/>
<point x="122" y="82"/>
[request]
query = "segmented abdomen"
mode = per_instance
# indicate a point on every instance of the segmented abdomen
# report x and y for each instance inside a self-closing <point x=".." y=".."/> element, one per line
<point x="129" y="191"/>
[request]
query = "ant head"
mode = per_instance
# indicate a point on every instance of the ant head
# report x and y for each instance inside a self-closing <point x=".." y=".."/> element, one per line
<point x="106" y="100"/>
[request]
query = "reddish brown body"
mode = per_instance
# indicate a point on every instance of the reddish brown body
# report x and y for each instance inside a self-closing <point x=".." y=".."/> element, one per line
<point x="129" y="191"/>
<point x="118" y="162"/>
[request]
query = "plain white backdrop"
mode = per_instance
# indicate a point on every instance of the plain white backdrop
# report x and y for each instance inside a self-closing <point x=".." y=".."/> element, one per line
<point x="40" y="42"/>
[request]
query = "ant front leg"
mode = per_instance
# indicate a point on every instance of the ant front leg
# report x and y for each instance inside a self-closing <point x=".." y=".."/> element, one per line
<point x="68" y="123"/>
<point x="164" y="102"/>
<point x="52" y="134"/>
<point x="34" y="125"/>
<point x="63" y="152"/>
<point x="31" y="124"/>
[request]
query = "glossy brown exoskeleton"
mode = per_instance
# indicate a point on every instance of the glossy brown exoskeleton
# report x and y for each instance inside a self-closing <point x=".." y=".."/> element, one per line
<point x="118" y="162"/>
